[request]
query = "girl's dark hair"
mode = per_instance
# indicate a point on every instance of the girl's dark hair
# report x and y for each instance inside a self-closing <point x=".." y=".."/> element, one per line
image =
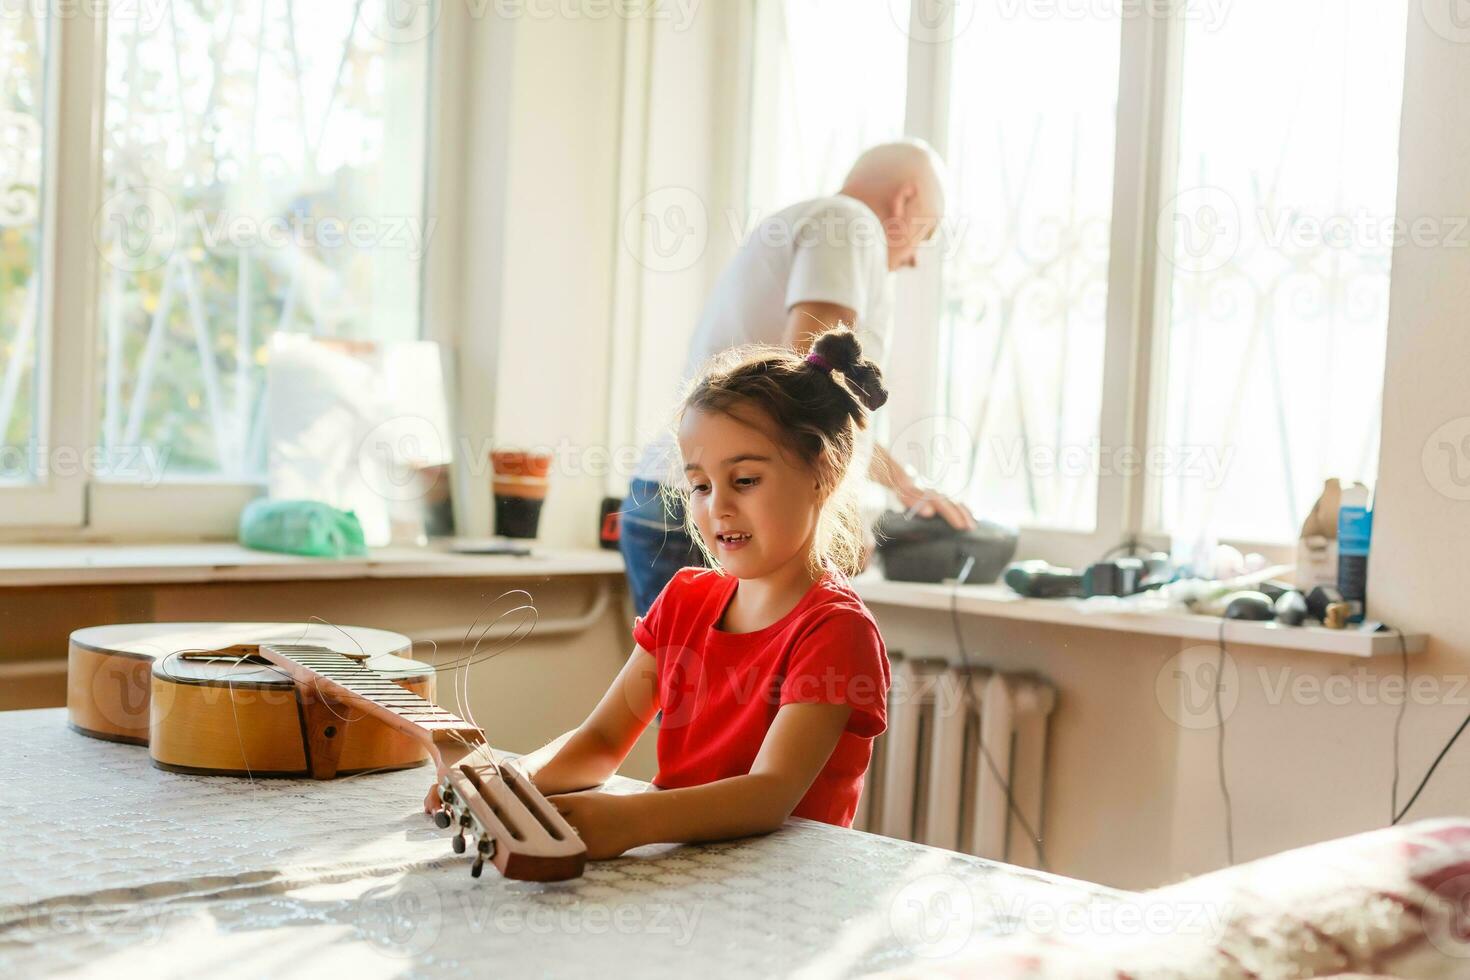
<point x="817" y="403"/>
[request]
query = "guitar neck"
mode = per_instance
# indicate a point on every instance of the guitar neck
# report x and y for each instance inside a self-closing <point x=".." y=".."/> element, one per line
<point x="342" y="677"/>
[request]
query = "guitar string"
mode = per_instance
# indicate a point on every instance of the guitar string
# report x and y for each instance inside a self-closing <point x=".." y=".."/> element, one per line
<point x="458" y="667"/>
<point x="502" y="644"/>
<point x="523" y="628"/>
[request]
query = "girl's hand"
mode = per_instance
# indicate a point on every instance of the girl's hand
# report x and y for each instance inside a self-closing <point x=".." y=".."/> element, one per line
<point x="602" y="821"/>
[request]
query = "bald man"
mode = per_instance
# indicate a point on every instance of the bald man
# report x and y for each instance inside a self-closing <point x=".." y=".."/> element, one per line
<point x="804" y="270"/>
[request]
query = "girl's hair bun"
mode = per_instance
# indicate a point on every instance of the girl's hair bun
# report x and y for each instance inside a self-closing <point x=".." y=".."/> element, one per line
<point x="840" y="348"/>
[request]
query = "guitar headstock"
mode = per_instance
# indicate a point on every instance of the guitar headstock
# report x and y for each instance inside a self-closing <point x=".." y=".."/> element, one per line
<point x="492" y="805"/>
<point x="495" y="807"/>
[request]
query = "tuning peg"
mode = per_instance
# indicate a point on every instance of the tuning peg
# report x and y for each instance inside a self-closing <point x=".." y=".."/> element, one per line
<point x="477" y="867"/>
<point x="441" y="818"/>
<point x="457" y="842"/>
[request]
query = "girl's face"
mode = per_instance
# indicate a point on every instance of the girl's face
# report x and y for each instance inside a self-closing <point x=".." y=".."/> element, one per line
<point x="755" y="505"/>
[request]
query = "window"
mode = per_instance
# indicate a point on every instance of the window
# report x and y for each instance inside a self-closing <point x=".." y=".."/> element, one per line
<point x="23" y="122"/>
<point x="1175" y="218"/>
<point x="1030" y="148"/>
<point x="1281" y="235"/>
<point x="263" y="171"/>
<point x="816" y="107"/>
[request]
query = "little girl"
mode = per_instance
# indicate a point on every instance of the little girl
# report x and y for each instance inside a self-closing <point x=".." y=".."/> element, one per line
<point x="768" y="669"/>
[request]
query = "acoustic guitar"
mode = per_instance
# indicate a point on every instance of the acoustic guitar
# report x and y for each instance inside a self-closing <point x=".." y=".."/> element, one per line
<point x="204" y="702"/>
<point x="311" y="700"/>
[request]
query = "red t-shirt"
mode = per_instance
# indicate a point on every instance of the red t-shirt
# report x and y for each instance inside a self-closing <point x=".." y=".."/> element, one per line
<point x="719" y="692"/>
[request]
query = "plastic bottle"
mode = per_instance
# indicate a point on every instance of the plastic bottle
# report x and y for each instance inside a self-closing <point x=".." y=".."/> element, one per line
<point x="1354" y="534"/>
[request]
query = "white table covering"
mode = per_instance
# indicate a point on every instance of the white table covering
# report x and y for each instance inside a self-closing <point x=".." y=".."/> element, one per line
<point x="114" y="867"/>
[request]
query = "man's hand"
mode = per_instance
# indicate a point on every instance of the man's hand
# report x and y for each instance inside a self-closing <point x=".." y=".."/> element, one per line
<point x="601" y="819"/>
<point x="927" y="503"/>
<point x="922" y="501"/>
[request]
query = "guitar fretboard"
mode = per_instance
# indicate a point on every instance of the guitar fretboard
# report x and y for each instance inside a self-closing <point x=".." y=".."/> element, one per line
<point x="346" y="679"/>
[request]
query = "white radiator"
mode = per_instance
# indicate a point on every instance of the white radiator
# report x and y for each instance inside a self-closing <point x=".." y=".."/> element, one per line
<point x="930" y="782"/>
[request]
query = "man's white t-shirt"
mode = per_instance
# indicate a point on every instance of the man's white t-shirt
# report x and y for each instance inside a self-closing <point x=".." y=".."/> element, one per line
<point x="826" y="250"/>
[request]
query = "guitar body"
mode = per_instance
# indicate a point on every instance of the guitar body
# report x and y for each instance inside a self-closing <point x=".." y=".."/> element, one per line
<point x="204" y="701"/>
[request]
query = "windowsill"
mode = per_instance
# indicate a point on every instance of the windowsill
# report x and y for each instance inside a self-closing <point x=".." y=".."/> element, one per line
<point x="143" y="564"/>
<point x="1000" y="602"/>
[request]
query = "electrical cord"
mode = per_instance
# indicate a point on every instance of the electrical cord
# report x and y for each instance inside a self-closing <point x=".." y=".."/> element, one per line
<point x="1404" y="668"/>
<point x="973" y="709"/>
<point x="1398" y="725"/>
<point x="1220" y="748"/>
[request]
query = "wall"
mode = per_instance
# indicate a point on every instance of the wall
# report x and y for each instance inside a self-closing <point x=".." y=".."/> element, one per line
<point x="572" y="337"/>
<point x="1421" y="538"/>
<point x="542" y="116"/>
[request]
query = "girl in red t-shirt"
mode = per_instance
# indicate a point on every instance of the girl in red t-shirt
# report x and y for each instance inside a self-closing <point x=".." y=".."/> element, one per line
<point x="770" y="673"/>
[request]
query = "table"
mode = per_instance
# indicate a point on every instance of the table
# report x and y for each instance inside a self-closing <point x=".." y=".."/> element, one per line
<point x="114" y="867"/>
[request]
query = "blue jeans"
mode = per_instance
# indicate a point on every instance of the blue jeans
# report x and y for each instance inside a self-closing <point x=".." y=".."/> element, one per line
<point x="653" y="542"/>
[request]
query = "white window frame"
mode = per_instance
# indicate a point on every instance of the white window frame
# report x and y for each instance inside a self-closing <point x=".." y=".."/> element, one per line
<point x="71" y="506"/>
<point x="62" y="381"/>
<point x="1137" y="319"/>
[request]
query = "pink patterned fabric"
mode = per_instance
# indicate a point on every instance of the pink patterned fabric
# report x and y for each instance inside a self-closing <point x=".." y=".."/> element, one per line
<point x="1392" y="902"/>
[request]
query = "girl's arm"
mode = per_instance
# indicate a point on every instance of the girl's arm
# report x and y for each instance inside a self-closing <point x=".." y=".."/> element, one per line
<point x="797" y="746"/>
<point x="588" y="754"/>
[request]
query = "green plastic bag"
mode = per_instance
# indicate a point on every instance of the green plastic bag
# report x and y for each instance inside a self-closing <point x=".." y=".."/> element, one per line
<point x="301" y="527"/>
